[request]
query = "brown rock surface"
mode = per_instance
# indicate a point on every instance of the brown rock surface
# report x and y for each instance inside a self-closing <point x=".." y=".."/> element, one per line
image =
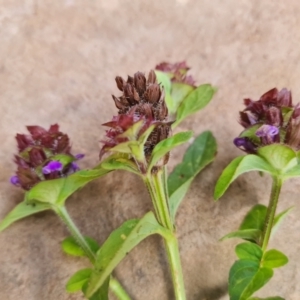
<point x="58" y="63"/>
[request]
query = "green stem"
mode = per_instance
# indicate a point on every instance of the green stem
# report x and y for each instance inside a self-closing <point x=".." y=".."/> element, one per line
<point x="117" y="289"/>
<point x="175" y="265"/>
<point x="114" y="285"/>
<point x="151" y="190"/>
<point x="65" y="217"/>
<point x="276" y="187"/>
<point x="162" y="198"/>
<point x="156" y="184"/>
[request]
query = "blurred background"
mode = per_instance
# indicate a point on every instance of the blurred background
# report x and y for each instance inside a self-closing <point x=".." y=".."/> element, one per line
<point x="58" y="61"/>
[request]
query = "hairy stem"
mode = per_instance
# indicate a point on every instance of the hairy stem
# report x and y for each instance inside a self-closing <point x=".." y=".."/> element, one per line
<point x="276" y="187"/>
<point x="65" y="217"/>
<point x="156" y="184"/>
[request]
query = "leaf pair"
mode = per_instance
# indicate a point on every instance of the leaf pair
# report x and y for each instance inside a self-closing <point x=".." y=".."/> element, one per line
<point x="253" y="224"/>
<point x="121" y="162"/>
<point x="276" y="159"/>
<point x="50" y="192"/>
<point x="253" y="270"/>
<point x="199" y="154"/>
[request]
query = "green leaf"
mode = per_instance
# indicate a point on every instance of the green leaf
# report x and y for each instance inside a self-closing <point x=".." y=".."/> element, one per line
<point x="120" y="163"/>
<point x="238" y="166"/>
<point x="247" y="234"/>
<point x="178" y="93"/>
<point x="76" y="282"/>
<point x="120" y="242"/>
<point x="269" y="298"/>
<point x="281" y="157"/>
<point x="274" y="259"/>
<point x="292" y="172"/>
<point x="166" y="145"/>
<point x="279" y="218"/>
<point x="246" y="277"/>
<point x="255" y="218"/>
<point x="199" y="154"/>
<point x="249" y="251"/>
<point x="71" y="247"/>
<point x="101" y="294"/>
<point x="195" y="100"/>
<point x="22" y="210"/>
<point x="164" y="80"/>
<point x="56" y="191"/>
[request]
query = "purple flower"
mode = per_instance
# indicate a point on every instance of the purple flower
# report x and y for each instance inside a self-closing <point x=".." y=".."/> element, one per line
<point x="52" y="166"/>
<point x="36" y="159"/>
<point x="244" y="144"/>
<point x="74" y="167"/>
<point x="271" y="119"/>
<point x="15" y="180"/>
<point x="79" y="156"/>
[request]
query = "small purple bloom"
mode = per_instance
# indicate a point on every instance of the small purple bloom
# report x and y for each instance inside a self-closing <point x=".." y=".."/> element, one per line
<point x="14" y="180"/>
<point x="79" y="156"/>
<point x="244" y="144"/>
<point x="267" y="131"/>
<point x="74" y="167"/>
<point x="52" y="166"/>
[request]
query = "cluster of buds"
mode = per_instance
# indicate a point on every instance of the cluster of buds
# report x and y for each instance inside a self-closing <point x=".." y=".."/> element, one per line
<point x="142" y="102"/>
<point x="43" y="155"/>
<point x="271" y="119"/>
<point x="177" y="72"/>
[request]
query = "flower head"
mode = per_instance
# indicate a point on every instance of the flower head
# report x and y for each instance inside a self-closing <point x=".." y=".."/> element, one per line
<point x="43" y="154"/>
<point x="271" y="119"/>
<point x="141" y="105"/>
<point x="177" y="72"/>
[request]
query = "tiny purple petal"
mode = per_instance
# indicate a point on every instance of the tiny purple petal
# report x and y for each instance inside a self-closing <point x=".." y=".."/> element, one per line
<point x="74" y="167"/>
<point x="52" y="166"/>
<point x="244" y="144"/>
<point x="267" y="131"/>
<point x="14" y="180"/>
<point x="79" y="156"/>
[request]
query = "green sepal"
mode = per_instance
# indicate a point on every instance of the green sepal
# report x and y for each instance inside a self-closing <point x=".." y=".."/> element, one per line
<point x="120" y="242"/>
<point x="71" y="247"/>
<point x="193" y="102"/>
<point x="250" y="133"/>
<point x="133" y="131"/>
<point x="77" y="280"/>
<point x="199" y="154"/>
<point x="238" y="166"/>
<point x="22" y="210"/>
<point x="56" y="191"/>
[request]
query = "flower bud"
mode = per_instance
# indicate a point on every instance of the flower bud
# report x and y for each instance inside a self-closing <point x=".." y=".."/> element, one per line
<point x="36" y="160"/>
